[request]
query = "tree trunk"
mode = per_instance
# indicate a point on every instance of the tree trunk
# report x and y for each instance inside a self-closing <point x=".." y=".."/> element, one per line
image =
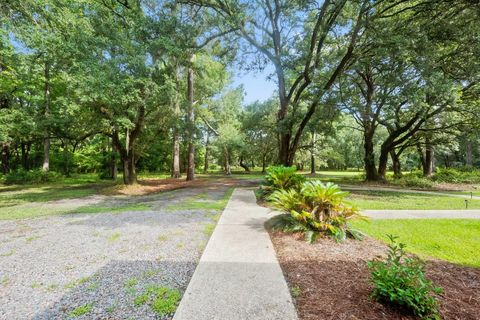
<point x="429" y="161"/>
<point x="283" y="137"/>
<point x="46" y="139"/>
<point x="129" y="174"/>
<point x="126" y="174"/>
<point x="396" y="165"/>
<point x="66" y="160"/>
<point x="468" y="154"/>
<point x="226" y="161"/>
<point x="128" y="160"/>
<point x="25" y="150"/>
<point x="369" y="159"/>
<point x="421" y="154"/>
<point x="426" y="158"/>
<point x="5" y="159"/>
<point x="207" y="151"/>
<point x="46" y="155"/>
<point x="264" y="163"/>
<point x="113" y="163"/>
<point x="382" y="164"/>
<point x="176" y="154"/>
<point x="244" y="165"/>
<point x="190" y="124"/>
<point x="312" y="154"/>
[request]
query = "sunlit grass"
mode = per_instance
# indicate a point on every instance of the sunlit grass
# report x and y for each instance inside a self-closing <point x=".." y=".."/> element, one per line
<point x="453" y="240"/>
<point x="21" y="212"/>
<point x="112" y="209"/>
<point x="377" y="200"/>
<point x="201" y="202"/>
<point x="43" y="193"/>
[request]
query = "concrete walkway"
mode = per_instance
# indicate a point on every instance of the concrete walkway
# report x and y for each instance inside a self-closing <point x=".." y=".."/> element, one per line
<point x="238" y="276"/>
<point x="422" y="214"/>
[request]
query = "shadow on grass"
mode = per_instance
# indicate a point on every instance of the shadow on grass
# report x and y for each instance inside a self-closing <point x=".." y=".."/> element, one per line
<point x="45" y="193"/>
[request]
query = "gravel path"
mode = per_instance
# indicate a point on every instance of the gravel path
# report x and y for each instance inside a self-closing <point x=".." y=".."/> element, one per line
<point x="60" y="266"/>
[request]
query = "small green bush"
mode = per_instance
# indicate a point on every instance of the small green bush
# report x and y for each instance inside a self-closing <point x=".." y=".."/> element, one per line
<point x="400" y="280"/>
<point x="281" y="177"/>
<point x="414" y="181"/>
<point x="315" y="209"/>
<point x="82" y="310"/>
<point x="460" y="175"/>
<point x="162" y="300"/>
<point x="36" y="176"/>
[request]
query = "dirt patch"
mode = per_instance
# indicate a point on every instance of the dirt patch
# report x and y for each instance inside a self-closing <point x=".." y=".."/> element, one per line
<point x="149" y="186"/>
<point x="445" y="186"/>
<point x="332" y="280"/>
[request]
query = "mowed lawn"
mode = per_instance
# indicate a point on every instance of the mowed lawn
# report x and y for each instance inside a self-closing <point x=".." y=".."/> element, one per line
<point x="27" y="201"/>
<point x="453" y="240"/>
<point x="378" y="200"/>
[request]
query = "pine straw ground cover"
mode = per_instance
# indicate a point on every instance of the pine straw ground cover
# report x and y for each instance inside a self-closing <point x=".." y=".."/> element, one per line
<point x="331" y="281"/>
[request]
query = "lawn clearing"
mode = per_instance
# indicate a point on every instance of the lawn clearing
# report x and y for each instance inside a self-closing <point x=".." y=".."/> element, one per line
<point x="12" y="196"/>
<point x="201" y="202"/>
<point x="391" y="200"/>
<point x="112" y="209"/>
<point x="453" y="240"/>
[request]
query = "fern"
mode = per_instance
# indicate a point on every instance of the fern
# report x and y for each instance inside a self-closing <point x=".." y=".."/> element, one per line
<point x="315" y="209"/>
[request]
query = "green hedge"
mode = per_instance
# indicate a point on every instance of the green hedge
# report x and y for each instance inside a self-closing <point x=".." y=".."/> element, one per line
<point x="36" y="176"/>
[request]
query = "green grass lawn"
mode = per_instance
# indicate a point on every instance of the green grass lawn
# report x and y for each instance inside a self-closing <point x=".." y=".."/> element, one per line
<point x="474" y="192"/>
<point x="453" y="240"/>
<point x="201" y="202"/>
<point x="77" y="186"/>
<point x="328" y="174"/>
<point x="43" y="193"/>
<point x="29" y="201"/>
<point x="377" y="200"/>
<point x="112" y="209"/>
<point x="18" y="212"/>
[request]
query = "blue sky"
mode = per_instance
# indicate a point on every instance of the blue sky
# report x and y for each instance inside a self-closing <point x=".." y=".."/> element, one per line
<point x="255" y="83"/>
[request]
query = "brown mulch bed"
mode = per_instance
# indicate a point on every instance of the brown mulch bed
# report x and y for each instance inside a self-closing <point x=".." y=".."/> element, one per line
<point x="334" y="280"/>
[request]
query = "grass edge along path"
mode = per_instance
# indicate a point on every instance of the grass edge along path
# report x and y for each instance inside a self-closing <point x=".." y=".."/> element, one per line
<point x="202" y="202"/>
<point x="391" y="200"/>
<point x="453" y="240"/>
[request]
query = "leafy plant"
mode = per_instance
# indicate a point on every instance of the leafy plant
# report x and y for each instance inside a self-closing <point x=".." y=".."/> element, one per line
<point x="414" y="181"/>
<point x="280" y="177"/>
<point x="459" y="175"/>
<point x="315" y="209"/>
<point x="162" y="300"/>
<point x="36" y="176"/>
<point x="400" y="280"/>
<point x="81" y="310"/>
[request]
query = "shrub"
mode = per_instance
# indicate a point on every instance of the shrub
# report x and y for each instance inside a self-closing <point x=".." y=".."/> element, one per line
<point x="400" y="280"/>
<point x="315" y="209"/>
<point x="36" y="176"/>
<point x="461" y="175"/>
<point x="412" y="180"/>
<point x="281" y="177"/>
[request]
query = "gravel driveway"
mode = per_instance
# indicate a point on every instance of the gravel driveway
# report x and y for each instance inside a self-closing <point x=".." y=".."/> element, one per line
<point x="102" y="265"/>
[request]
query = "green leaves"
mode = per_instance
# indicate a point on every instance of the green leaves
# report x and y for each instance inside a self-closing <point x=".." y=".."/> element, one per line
<point x="400" y="280"/>
<point x="280" y="177"/>
<point x="314" y="208"/>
